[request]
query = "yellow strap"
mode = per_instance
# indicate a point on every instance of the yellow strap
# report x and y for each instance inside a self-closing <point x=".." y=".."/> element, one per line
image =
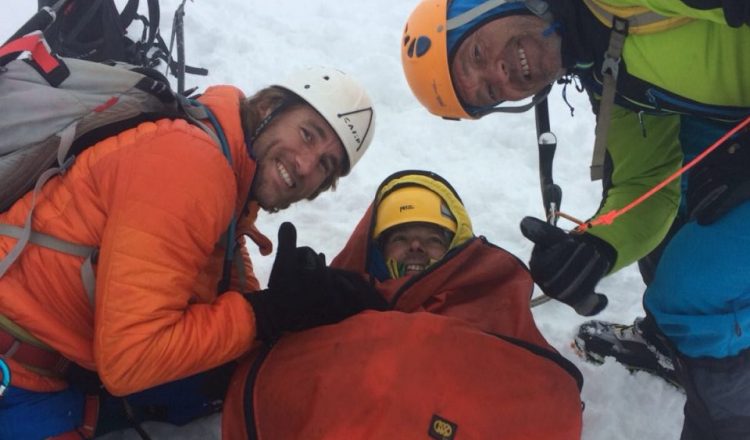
<point x="22" y="335"/>
<point x="641" y="19"/>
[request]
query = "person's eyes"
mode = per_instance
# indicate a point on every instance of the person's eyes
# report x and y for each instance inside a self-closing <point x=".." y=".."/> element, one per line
<point x="476" y="54"/>
<point x="436" y="240"/>
<point x="327" y="165"/>
<point x="398" y="238"/>
<point x="305" y="134"/>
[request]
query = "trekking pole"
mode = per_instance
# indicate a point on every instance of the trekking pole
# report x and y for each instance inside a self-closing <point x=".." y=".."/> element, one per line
<point x="551" y="192"/>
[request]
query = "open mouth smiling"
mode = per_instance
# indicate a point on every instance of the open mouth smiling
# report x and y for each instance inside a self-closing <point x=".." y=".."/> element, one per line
<point x="285" y="176"/>
<point x="524" y="63"/>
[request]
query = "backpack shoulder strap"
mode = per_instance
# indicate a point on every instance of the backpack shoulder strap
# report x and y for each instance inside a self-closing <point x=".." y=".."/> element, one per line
<point x="622" y="21"/>
<point x="641" y="20"/>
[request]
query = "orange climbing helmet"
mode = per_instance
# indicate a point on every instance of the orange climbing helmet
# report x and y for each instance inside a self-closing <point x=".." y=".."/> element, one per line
<point x="432" y="30"/>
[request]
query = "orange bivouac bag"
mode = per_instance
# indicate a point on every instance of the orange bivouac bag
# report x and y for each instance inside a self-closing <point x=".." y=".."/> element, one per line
<point x="389" y="375"/>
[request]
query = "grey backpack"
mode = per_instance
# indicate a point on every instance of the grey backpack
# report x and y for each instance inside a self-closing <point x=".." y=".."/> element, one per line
<point x="53" y="108"/>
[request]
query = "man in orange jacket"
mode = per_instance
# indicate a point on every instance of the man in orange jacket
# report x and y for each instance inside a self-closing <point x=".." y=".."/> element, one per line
<point x="157" y="200"/>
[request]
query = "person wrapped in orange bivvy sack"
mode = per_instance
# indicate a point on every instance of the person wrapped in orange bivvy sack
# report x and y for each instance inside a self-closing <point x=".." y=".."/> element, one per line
<point x="458" y="354"/>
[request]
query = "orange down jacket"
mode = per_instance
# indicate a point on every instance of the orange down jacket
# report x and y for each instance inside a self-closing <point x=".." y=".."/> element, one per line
<point x="156" y="200"/>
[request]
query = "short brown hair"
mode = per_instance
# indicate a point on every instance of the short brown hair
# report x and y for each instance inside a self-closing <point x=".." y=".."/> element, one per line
<point x="281" y="100"/>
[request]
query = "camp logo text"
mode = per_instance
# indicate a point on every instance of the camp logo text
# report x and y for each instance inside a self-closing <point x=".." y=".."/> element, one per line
<point x="358" y="132"/>
<point x="442" y="429"/>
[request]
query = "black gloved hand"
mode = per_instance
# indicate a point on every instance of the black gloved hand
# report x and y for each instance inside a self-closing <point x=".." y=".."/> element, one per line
<point x="568" y="267"/>
<point x="303" y="293"/>
<point x="720" y="182"/>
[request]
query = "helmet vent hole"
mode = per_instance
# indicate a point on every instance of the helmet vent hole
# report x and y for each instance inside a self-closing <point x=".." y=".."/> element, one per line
<point x="423" y="45"/>
<point x="410" y="50"/>
<point x="406" y="39"/>
<point x="326" y="77"/>
<point x="307" y="86"/>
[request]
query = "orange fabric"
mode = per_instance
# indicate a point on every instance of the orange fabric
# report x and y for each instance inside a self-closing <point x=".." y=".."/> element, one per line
<point x="385" y="375"/>
<point x="478" y="282"/>
<point x="156" y="199"/>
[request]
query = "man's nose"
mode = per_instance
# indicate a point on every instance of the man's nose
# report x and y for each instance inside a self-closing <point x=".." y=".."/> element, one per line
<point x="306" y="161"/>
<point x="415" y="244"/>
<point x="498" y="75"/>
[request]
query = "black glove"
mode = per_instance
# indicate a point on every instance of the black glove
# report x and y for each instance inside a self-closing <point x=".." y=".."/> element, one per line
<point x="720" y="182"/>
<point x="736" y="12"/>
<point x="303" y="292"/>
<point x="567" y="267"/>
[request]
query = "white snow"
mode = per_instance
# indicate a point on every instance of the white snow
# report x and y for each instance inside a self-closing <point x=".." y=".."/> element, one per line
<point x="492" y="163"/>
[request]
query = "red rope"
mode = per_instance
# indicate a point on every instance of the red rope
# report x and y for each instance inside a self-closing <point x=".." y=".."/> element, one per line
<point x="609" y="217"/>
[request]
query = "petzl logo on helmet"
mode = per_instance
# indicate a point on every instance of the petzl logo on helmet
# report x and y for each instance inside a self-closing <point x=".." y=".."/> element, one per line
<point x="354" y="121"/>
<point x="403" y="208"/>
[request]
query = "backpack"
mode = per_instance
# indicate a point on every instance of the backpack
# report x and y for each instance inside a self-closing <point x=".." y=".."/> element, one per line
<point x="95" y="30"/>
<point x="55" y="107"/>
<point x="384" y="375"/>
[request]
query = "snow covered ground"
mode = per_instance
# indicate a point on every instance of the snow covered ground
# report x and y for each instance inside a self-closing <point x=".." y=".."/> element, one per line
<point x="492" y="163"/>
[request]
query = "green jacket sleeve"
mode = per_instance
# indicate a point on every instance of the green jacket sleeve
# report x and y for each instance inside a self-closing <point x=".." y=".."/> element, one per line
<point x="638" y="164"/>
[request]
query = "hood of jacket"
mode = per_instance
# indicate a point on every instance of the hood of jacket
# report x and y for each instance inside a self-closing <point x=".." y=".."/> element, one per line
<point x="360" y="251"/>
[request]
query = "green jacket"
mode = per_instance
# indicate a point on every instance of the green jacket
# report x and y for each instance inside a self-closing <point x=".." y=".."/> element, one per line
<point x="699" y="68"/>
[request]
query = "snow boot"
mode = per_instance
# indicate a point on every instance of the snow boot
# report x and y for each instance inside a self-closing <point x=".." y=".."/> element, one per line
<point x="635" y="349"/>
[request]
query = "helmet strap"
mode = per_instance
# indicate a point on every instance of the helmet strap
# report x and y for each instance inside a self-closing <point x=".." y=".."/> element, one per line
<point x="264" y="123"/>
<point x="539" y="97"/>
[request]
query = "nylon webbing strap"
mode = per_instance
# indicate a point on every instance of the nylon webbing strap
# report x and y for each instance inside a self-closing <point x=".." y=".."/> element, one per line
<point x="48" y="241"/>
<point x="641" y="19"/>
<point x="643" y="16"/>
<point x="610" y="69"/>
<point x="23" y="237"/>
<point x="473" y="13"/>
<point x="88" y="278"/>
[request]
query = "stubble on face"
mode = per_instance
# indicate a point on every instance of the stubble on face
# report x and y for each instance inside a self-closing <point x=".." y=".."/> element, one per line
<point x="509" y="58"/>
<point x="294" y="155"/>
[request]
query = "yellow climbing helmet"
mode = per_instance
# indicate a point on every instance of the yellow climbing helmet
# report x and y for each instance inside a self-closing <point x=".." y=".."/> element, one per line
<point x="409" y="204"/>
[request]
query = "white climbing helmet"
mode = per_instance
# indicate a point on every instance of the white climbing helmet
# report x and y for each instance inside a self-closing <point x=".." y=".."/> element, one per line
<point x="341" y="101"/>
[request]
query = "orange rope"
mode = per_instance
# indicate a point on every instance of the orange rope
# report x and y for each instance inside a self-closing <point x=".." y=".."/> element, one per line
<point x="609" y="217"/>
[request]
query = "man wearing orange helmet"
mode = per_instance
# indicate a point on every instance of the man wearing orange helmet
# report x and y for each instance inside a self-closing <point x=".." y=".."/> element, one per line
<point x="663" y="78"/>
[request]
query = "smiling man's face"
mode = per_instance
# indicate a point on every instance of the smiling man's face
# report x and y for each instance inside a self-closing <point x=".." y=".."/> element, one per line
<point x="507" y="59"/>
<point x="295" y="154"/>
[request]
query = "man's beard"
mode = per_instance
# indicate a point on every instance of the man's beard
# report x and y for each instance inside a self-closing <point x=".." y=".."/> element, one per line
<point x="254" y="190"/>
